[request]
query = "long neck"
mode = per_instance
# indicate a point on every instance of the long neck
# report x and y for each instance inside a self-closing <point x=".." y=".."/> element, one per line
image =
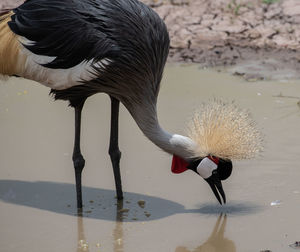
<point x="146" y="119"/>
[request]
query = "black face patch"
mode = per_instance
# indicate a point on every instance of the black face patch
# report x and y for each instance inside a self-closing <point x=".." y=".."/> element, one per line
<point x="224" y="169"/>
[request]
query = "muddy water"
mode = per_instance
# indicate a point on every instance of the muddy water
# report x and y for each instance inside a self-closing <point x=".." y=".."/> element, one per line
<point x="161" y="211"/>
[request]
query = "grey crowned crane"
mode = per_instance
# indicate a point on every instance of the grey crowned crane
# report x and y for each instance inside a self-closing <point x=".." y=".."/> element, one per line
<point x="119" y="47"/>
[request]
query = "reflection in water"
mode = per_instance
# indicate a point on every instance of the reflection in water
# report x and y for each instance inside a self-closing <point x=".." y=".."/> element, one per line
<point x="118" y="230"/>
<point x="216" y="242"/>
<point x="82" y="244"/>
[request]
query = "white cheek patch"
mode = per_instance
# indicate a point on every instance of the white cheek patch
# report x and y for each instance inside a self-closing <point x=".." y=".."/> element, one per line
<point x="206" y="167"/>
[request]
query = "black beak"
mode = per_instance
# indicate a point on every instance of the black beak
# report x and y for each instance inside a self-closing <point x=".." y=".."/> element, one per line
<point x="216" y="186"/>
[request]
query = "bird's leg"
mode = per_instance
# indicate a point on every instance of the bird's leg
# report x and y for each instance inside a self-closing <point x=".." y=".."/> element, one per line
<point x="78" y="159"/>
<point x="114" y="151"/>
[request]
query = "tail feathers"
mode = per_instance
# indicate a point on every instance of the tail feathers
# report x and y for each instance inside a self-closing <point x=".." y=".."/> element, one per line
<point x="75" y="95"/>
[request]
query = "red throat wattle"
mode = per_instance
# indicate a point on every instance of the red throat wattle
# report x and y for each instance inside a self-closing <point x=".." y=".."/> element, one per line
<point x="214" y="159"/>
<point x="179" y="165"/>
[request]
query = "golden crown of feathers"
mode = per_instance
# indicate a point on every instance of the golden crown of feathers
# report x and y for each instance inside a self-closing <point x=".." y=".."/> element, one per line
<point x="224" y="130"/>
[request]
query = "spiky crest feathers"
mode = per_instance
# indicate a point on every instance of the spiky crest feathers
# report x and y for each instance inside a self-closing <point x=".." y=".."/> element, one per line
<point x="224" y="130"/>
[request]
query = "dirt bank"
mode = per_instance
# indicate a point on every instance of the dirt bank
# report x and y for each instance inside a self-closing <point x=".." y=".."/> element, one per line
<point x="226" y="32"/>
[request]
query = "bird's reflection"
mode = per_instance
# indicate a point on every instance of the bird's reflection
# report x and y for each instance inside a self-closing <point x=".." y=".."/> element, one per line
<point x="216" y="242"/>
<point x="83" y="246"/>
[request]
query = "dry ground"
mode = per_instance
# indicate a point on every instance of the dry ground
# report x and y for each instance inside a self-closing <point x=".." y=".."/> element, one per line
<point x="260" y="37"/>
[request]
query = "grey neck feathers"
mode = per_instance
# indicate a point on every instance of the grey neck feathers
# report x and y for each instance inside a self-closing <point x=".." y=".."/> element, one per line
<point x="146" y="119"/>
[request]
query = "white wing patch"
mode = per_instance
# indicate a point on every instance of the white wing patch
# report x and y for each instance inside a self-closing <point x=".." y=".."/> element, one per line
<point x="58" y="79"/>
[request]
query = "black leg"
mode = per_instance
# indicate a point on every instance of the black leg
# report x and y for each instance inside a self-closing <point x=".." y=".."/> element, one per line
<point x="114" y="150"/>
<point x="78" y="159"/>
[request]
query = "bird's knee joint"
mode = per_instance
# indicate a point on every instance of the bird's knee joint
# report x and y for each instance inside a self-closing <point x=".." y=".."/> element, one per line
<point x="115" y="154"/>
<point x="78" y="162"/>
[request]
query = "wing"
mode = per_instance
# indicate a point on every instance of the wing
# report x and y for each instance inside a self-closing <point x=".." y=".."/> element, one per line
<point x="68" y="30"/>
<point x="69" y="33"/>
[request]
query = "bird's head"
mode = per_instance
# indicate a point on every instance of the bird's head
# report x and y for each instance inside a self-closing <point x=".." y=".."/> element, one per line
<point x="220" y="132"/>
<point x="212" y="169"/>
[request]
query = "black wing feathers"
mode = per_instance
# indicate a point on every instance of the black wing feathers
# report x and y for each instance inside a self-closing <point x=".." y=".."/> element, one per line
<point x="61" y="29"/>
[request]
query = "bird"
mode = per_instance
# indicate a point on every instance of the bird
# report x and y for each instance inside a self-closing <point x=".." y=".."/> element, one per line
<point x="216" y="241"/>
<point x="79" y="48"/>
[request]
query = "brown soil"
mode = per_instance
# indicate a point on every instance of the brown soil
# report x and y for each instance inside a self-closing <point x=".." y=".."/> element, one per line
<point x="229" y="32"/>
